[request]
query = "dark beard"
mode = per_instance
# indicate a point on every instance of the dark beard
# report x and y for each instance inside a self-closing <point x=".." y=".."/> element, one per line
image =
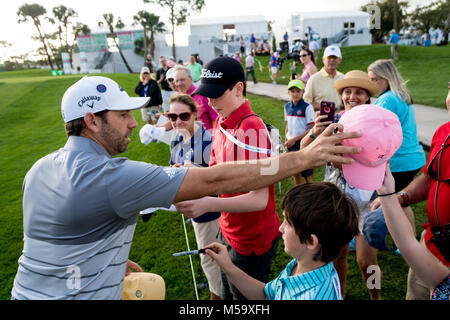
<point x="114" y="139"/>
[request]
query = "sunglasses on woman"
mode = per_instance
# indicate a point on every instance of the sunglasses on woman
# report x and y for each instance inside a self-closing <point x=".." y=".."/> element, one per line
<point x="304" y="55"/>
<point x="184" y="116"/>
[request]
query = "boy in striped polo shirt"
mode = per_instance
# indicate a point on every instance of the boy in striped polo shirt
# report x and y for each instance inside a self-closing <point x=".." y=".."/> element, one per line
<point x="319" y="220"/>
<point x="299" y="116"/>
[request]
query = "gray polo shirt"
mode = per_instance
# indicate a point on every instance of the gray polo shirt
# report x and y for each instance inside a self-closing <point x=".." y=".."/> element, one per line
<point x="80" y="209"/>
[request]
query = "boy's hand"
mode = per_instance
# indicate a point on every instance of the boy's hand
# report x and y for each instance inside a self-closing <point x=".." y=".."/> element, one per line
<point x="219" y="253"/>
<point x="289" y="143"/>
<point x="388" y="185"/>
<point x="193" y="208"/>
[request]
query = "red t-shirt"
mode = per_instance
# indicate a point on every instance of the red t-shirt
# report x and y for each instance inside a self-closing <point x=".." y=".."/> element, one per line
<point x="246" y="232"/>
<point x="443" y="199"/>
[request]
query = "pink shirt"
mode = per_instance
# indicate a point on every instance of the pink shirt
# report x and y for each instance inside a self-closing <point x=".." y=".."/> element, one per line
<point x="305" y="75"/>
<point x="205" y="113"/>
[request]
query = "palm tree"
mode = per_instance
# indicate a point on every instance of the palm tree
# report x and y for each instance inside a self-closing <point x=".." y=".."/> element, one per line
<point x="109" y="19"/>
<point x="149" y="22"/>
<point x="178" y="12"/>
<point x="34" y="11"/>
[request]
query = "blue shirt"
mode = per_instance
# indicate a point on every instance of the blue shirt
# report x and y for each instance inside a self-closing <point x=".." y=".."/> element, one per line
<point x="319" y="284"/>
<point x="410" y="156"/>
<point x="394" y="38"/>
<point x="273" y="61"/>
<point x="197" y="151"/>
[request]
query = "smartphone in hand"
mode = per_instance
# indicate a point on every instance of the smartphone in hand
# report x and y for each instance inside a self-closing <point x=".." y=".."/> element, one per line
<point x="327" y="108"/>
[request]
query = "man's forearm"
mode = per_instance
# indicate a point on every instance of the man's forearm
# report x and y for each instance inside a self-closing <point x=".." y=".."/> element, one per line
<point x="417" y="190"/>
<point x="241" y="176"/>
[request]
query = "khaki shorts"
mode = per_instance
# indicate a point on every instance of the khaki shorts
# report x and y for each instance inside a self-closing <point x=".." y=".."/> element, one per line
<point x="206" y="233"/>
<point x="149" y="114"/>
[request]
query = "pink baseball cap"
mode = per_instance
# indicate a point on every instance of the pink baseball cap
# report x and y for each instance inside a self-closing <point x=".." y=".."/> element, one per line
<point x="382" y="135"/>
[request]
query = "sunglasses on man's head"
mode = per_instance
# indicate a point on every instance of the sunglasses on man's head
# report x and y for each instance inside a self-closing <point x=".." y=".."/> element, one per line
<point x="184" y="116"/>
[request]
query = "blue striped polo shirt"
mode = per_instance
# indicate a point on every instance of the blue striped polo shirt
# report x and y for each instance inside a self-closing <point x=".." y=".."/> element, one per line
<point x="319" y="284"/>
<point x="298" y="116"/>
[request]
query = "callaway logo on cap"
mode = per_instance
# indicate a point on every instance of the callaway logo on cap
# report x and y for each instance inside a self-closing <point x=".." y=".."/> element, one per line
<point x="218" y="75"/>
<point x="95" y="94"/>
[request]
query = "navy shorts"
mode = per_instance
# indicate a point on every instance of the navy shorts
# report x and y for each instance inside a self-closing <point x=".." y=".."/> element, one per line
<point x="307" y="172"/>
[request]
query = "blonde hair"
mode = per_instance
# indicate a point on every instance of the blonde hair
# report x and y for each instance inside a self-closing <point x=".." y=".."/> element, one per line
<point x="385" y="69"/>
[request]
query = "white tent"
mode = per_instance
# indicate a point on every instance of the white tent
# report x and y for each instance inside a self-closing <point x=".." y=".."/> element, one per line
<point x="341" y="27"/>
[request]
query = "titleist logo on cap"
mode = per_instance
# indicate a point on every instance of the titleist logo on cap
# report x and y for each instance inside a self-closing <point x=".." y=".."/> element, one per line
<point x="214" y="75"/>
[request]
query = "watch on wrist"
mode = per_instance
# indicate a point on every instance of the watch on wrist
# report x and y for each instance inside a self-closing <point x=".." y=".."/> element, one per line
<point x="405" y="198"/>
<point x="311" y="134"/>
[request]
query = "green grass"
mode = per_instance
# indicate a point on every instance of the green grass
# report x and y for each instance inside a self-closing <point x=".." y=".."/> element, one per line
<point x="425" y="69"/>
<point x="32" y="127"/>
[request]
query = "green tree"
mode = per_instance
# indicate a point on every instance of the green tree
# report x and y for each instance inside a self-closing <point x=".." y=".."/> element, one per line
<point x="34" y="12"/>
<point x="179" y="10"/>
<point x="150" y="23"/>
<point x="392" y="12"/>
<point x="63" y="16"/>
<point x="111" y="23"/>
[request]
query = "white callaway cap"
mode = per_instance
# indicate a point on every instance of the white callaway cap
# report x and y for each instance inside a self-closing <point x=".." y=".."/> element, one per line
<point x="95" y="94"/>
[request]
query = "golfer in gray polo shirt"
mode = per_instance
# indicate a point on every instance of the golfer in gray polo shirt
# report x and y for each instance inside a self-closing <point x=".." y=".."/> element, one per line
<point x="80" y="205"/>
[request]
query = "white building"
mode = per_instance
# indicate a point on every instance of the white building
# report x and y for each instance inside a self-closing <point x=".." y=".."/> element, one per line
<point x="223" y="33"/>
<point x="346" y="28"/>
<point x="229" y="28"/>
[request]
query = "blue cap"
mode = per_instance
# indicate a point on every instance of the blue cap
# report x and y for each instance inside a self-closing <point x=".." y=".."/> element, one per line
<point x="375" y="230"/>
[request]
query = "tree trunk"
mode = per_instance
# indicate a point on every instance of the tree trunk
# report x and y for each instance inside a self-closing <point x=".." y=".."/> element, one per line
<point x="145" y="44"/>
<point x="122" y="56"/>
<point x="395" y="16"/>
<point x="173" y="41"/>
<point x="49" y="59"/>
<point x="152" y="45"/>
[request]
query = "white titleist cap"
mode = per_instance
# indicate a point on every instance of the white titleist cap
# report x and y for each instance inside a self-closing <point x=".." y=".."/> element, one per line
<point x="95" y="94"/>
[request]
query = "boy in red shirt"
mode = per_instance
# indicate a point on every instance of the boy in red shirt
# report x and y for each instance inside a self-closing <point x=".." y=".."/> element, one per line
<point x="249" y="223"/>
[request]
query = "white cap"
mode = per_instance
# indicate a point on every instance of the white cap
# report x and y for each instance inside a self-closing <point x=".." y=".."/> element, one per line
<point x="145" y="69"/>
<point x="95" y="94"/>
<point x="170" y="74"/>
<point x="332" y="51"/>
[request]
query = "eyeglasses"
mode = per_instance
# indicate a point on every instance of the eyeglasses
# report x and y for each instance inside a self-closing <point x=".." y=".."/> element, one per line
<point x="184" y="116"/>
<point x="304" y="55"/>
<point x="433" y="174"/>
<point x="332" y="58"/>
<point x="170" y="80"/>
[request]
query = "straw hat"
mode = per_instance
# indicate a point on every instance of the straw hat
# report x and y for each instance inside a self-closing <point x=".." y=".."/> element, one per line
<point x="358" y="79"/>
<point x="143" y="286"/>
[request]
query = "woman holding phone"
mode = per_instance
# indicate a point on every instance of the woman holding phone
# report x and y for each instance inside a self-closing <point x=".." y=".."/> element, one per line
<point x="191" y="146"/>
<point x="356" y="89"/>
